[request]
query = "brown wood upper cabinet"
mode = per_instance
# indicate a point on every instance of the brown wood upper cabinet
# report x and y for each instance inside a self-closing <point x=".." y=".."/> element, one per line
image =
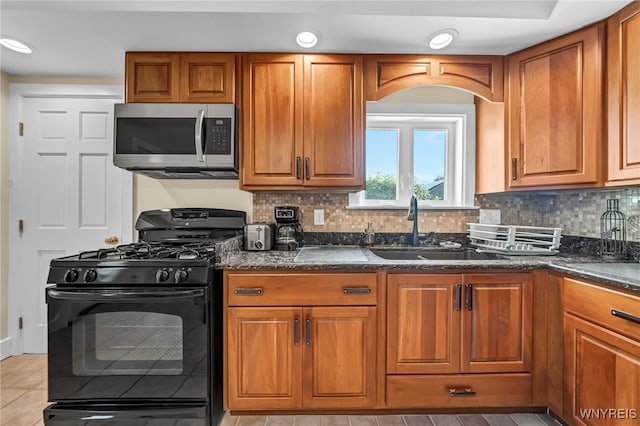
<point x="623" y="96"/>
<point x="180" y="77"/>
<point x="386" y="74"/>
<point x="303" y="122"/>
<point x="554" y="111"/>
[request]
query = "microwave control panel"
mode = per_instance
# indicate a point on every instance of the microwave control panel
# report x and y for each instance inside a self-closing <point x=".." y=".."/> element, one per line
<point x="219" y="136"/>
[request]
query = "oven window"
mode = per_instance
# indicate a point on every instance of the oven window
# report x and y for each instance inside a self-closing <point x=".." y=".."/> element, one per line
<point x="128" y="343"/>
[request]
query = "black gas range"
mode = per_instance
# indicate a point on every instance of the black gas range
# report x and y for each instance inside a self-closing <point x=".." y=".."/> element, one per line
<point x="135" y="331"/>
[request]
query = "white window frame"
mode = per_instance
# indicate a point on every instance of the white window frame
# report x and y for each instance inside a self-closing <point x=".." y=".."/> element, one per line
<point x="458" y="120"/>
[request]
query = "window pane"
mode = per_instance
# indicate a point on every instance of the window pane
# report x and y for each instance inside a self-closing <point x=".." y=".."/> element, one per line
<point x="429" y="163"/>
<point x="381" y="164"/>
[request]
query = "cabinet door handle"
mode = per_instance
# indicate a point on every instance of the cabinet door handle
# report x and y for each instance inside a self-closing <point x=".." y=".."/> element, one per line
<point x="307" y="331"/>
<point x="307" y="168"/>
<point x="462" y="391"/>
<point x="624" y="315"/>
<point x="298" y="167"/>
<point x="458" y="297"/>
<point x="514" y="169"/>
<point x="356" y="290"/>
<point x="296" y="332"/>
<point x="468" y="302"/>
<point x="247" y="291"/>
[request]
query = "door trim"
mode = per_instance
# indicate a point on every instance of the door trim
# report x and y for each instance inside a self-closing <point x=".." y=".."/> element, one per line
<point x="18" y="92"/>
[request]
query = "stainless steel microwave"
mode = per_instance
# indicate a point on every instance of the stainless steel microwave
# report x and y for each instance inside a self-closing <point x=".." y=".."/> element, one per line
<point x="167" y="141"/>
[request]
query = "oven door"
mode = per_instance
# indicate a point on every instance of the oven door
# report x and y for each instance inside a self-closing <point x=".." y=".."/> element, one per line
<point x="128" y="344"/>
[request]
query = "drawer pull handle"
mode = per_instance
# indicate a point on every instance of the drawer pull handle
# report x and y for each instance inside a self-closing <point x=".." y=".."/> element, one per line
<point x="460" y="392"/>
<point x="624" y="315"/>
<point x="357" y="290"/>
<point x="248" y="291"/>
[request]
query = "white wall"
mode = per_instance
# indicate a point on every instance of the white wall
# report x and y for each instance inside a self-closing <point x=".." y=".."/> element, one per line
<point x="167" y="193"/>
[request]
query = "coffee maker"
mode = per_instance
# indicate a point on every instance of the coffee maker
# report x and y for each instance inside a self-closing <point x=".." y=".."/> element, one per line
<point x="289" y="234"/>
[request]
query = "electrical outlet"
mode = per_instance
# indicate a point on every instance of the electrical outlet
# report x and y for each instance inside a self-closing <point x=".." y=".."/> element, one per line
<point x="318" y="216"/>
<point x="490" y="216"/>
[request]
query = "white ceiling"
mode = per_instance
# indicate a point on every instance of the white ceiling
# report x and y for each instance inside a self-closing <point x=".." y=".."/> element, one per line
<point x="88" y="38"/>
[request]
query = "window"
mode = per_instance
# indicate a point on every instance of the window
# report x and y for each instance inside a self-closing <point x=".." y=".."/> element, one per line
<point x="428" y="150"/>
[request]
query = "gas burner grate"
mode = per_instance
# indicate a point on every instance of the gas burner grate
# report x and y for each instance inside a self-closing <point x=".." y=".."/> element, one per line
<point x="144" y="250"/>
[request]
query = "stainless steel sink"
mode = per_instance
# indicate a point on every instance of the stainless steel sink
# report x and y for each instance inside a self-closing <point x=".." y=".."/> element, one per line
<point x="427" y="254"/>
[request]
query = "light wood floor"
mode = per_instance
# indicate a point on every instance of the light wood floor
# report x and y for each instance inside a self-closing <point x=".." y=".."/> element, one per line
<point x="23" y="396"/>
<point x="23" y="390"/>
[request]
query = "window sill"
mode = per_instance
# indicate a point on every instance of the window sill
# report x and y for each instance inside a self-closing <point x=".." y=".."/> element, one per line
<point x="420" y="207"/>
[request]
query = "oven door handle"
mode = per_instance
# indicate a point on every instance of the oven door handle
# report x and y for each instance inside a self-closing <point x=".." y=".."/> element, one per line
<point x="128" y="295"/>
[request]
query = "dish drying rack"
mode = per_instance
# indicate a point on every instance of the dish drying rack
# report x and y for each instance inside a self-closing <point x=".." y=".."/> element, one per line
<point x="515" y="240"/>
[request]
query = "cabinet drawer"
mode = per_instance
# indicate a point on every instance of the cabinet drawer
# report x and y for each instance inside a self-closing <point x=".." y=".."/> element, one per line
<point x="491" y="390"/>
<point x="296" y="289"/>
<point x="613" y="309"/>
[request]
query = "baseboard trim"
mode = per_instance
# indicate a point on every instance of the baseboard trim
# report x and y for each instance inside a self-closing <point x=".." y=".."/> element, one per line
<point x="5" y="348"/>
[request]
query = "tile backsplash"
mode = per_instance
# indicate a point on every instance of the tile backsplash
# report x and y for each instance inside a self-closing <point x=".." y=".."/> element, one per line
<point x="576" y="212"/>
<point x="338" y="218"/>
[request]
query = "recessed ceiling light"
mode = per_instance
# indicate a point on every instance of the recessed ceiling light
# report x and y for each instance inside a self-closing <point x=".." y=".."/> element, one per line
<point x="442" y="38"/>
<point x="306" y="39"/>
<point x="15" y="45"/>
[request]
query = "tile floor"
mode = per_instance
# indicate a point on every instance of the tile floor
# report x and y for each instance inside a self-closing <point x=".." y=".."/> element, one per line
<point x="23" y="396"/>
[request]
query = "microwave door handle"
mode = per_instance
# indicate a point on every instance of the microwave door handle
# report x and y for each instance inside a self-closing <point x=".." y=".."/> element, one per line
<point x="198" y="138"/>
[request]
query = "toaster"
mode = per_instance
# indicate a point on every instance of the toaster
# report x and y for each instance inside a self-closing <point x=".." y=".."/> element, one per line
<point x="258" y="236"/>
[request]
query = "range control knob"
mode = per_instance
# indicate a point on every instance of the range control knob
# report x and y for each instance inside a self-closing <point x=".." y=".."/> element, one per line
<point x="181" y="275"/>
<point x="162" y="275"/>
<point x="258" y="244"/>
<point x="90" y="275"/>
<point x="71" y="275"/>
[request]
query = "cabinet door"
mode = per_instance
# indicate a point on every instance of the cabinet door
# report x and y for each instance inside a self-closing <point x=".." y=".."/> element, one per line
<point x="497" y="323"/>
<point x="333" y="121"/>
<point x="623" y="95"/>
<point x="264" y="358"/>
<point x="423" y="323"/>
<point x="207" y="77"/>
<point x="602" y="375"/>
<point x="555" y="111"/>
<point x="339" y="366"/>
<point x="272" y="120"/>
<point x="152" y="77"/>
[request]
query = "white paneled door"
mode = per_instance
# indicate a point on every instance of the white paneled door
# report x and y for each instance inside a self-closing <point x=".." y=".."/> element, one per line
<point x="69" y="196"/>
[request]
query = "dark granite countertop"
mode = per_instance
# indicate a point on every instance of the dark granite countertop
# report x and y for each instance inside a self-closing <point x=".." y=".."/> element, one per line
<point x="355" y="258"/>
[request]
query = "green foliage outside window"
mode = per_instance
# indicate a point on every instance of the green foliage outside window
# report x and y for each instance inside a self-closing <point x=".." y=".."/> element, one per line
<point x="383" y="187"/>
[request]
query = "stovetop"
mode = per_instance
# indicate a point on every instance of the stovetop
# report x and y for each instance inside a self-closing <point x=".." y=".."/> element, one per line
<point x="177" y="247"/>
<point x="144" y="250"/>
<point x="137" y="264"/>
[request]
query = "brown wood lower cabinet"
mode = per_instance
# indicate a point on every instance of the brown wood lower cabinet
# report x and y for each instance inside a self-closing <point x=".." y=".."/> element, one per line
<point x="601" y="355"/>
<point x="442" y="325"/>
<point x="301" y="357"/>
